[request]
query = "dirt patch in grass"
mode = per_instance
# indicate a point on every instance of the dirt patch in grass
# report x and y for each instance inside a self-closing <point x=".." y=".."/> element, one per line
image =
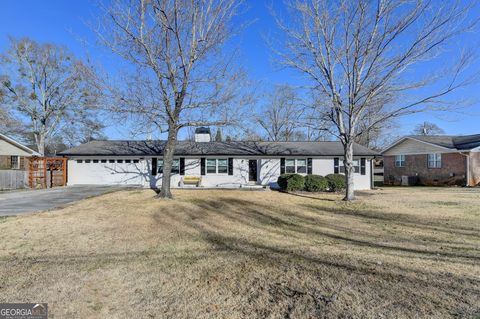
<point x="235" y="254"/>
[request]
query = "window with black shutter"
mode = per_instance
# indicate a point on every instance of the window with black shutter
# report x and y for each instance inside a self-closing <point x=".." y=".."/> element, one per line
<point x="363" y="169"/>
<point x="154" y="166"/>
<point x="230" y="166"/>
<point x="309" y="166"/>
<point x="182" y="165"/>
<point x="202" y="166"/>
<point x="282" y="165"/>
<point x="335" y="165"/>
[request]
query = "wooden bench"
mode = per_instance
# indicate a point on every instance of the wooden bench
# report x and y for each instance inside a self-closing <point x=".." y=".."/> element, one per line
<point x="191" y="180"/>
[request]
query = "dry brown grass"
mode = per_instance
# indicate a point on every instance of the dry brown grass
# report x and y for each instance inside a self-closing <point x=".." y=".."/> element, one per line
<point x="394" y="253"/>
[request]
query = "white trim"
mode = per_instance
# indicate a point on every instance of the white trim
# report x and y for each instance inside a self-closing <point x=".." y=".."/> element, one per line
<point x="216" y="166"/>
<point x="19" y="145"/>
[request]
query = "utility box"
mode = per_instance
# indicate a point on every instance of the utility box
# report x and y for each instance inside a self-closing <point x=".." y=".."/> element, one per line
<point x="409" y="180"/>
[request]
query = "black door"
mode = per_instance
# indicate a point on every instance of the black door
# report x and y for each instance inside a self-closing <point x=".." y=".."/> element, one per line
<point x="252" y="170"/>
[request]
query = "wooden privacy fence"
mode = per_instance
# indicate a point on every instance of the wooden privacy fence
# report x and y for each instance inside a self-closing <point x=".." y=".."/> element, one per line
<point x="47" y="172"/>
<point x="13" y="179"/>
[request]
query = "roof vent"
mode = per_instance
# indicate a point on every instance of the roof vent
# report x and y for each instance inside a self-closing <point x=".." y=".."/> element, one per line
<point x="202" y="134"/>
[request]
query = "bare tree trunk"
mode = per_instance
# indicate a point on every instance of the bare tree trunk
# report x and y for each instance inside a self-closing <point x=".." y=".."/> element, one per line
<point x="167" y="164"/>
<point x="349" y="171"/>
<point x="40" y="141"/>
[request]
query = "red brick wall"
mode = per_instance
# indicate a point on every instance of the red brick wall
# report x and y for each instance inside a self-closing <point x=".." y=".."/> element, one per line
<point x="452" y="172"/>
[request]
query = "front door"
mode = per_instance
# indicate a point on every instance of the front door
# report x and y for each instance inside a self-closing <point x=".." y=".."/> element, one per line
<point x="252" y="170"/>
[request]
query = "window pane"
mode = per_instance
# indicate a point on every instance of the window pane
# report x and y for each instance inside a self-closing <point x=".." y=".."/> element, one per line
<point x="79" y="161"/>
<point x="290" y="169"/>
<point x="15" y="163"/>
<point x="211" y="166"/>
<point x="301" y="169"/>
<point x="111" y="161"/>
<point x="95" y="161"/>
<point x="135" y="161"/>
<point x="119" y="161"/>
<point x="176" y="166"/>
<point x="103" y="161"/>
<point x="222" y="166"/>
<point x="290" y="166"/>
<point x="87" y="161"/>
<point x="301" y="165"/>
<point x="128" y="161"/>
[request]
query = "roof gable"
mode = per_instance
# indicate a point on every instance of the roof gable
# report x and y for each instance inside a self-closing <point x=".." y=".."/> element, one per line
<point x="13" y="147"/>
<point x="411" y="146"/>
<point x="445" y="143"/>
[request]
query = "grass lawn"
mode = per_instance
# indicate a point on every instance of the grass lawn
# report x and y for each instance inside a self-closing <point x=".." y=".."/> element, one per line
<point x="394" y="253"/>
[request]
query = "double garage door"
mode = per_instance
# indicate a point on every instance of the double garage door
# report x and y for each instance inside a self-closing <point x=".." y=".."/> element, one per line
<point x="107" y="171"/>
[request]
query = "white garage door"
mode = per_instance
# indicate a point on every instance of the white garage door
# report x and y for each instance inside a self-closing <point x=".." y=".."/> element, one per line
<point x="107" y="171"/>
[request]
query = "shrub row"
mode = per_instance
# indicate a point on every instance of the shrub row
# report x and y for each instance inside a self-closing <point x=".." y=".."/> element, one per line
<point x="311" y="183"/>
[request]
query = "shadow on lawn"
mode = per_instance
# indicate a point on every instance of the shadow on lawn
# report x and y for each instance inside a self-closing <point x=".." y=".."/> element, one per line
<point x="254" y="215"/>
<point x="223" y="220"/>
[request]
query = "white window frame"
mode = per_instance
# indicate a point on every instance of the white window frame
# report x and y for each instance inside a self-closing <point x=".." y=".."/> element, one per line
<point x="436" y="162"/>
<point x="17" y="166"/>
<point x="174" y="165"/>
<point x="296" y="166"/>
<point x="399" y="160"/>
<point x="341" y="166"/>
<point x="216" y="166"/>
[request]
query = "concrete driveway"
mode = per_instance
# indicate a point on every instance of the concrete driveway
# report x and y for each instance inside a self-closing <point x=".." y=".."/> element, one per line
<point x="29" y="201"/>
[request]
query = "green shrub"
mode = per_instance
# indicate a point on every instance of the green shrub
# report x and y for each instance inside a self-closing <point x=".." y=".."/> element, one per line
<point x="291" y="182"/>
<point x="315" y="183"/>
<point x="336" y="182"/>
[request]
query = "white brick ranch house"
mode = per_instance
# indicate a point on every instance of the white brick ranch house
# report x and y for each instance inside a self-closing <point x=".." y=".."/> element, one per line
<point x="216" y="164"/>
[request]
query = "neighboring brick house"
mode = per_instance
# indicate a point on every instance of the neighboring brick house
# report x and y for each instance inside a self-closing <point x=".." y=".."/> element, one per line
<point x="433" y="160"/>
<point x="13" y="155"/>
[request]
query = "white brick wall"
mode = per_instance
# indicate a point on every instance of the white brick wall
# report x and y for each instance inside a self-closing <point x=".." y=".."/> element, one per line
<point x="140" y="173"/>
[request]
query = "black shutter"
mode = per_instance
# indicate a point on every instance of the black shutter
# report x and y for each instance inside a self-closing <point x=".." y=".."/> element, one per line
<point x="230" y="166"/>
<point x="182" y="165"/>
<point x="202" y="166"/>
<point x="282" y="165"/>
<point x="363" y="170"/>
<point x="309" y="166"/>
<point x="154" y="166"/>
<point x="335" y="165"/>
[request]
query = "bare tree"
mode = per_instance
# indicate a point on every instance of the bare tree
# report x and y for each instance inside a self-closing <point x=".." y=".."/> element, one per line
<point x="283" y="116"/>
<point x="359" y="55"/>
<point x="181" y="75"/>
<point x="9" y="124"/>
<point x="427" y="128"/>
<point x="50" y="87"/>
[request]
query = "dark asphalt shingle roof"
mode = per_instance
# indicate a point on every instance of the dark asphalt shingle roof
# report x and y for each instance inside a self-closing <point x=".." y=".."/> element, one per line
<point x="236" y="148"/>
<point x="466" y="142"/>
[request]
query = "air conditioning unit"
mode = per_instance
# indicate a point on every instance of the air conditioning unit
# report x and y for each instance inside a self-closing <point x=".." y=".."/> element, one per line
<point x="409" y="180"/>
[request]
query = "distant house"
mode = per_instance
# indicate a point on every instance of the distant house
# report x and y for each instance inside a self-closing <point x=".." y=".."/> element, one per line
<point x="433" y="160"/>
<point x="13" y="154"/>
<point x="207" y="163"/>
<point x="14" y="163"/>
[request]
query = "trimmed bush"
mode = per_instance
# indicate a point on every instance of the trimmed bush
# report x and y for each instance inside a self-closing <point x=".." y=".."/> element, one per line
<point x="316" y="183"/>
<point x="291" y="182"/>
<point x="336" y="182"/>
